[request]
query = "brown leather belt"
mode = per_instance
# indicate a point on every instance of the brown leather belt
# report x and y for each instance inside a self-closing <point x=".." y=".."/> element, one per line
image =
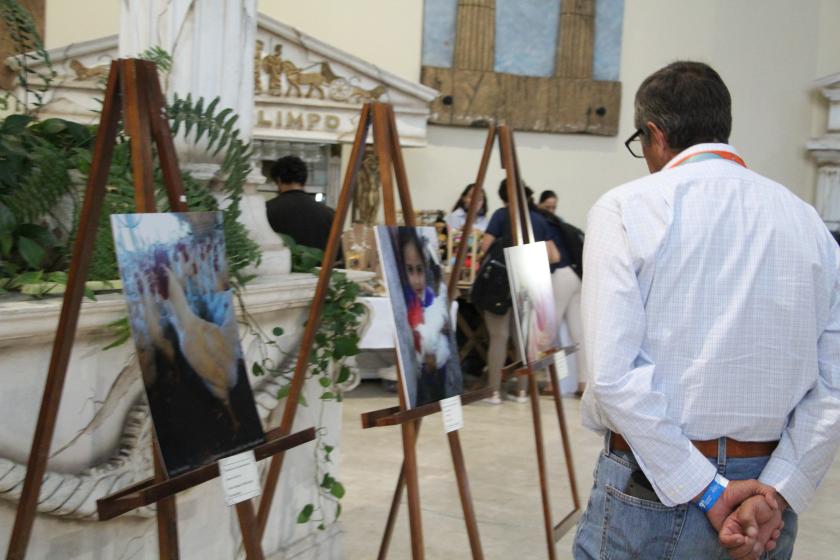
<point x="734" y="448"/>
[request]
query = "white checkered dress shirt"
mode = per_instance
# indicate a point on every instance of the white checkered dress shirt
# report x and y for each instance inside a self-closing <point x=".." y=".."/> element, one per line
<point x="711" y="308"/>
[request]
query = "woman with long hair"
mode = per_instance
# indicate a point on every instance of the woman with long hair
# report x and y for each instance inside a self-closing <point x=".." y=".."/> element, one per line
<point x="458" y="217"/>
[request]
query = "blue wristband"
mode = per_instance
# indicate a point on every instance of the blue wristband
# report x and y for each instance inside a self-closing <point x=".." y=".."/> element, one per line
<point x="712" y="493"/>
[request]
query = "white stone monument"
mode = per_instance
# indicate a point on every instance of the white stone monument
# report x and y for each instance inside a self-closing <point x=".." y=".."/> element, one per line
<point x="212" y="46"/>
<point x="826" y="151"/>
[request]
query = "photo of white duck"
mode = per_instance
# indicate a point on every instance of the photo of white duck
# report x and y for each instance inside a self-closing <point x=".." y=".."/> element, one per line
<point x="183" y="321"/>
<point x="204" y="344"/>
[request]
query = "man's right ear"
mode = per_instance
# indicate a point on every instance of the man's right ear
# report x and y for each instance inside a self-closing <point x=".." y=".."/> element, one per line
<point x="655" y="137"/>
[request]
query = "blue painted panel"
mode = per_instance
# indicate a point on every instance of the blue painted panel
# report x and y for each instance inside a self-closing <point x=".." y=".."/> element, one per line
<point x="439" y="32"/>
<point x="526" y="36"/>
<point x="609" y="18"/>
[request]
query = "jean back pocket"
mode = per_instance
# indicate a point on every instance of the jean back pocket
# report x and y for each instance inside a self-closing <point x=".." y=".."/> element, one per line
<point x="637" y="528"/>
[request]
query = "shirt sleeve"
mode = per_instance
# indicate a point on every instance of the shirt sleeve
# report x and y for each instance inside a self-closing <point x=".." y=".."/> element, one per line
<point x="622" y="386"/>
<point x="812" y="436"/>
<point x="496" y="225"/>
<point x="540" y="227"/>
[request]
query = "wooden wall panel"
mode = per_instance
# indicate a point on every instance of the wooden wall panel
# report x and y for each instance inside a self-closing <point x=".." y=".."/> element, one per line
<point x="576" y="39"/>
<point x="441" y="80"/>
<point x="473" y="94"/>
<point x="473" y="98"/>
<point x="475" y="35"/>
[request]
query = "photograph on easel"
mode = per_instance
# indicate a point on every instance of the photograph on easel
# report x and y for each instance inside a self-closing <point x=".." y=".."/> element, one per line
<point x="183" y="321"/>
<point x="537" y="329"/>
<point x="426" y="350"/>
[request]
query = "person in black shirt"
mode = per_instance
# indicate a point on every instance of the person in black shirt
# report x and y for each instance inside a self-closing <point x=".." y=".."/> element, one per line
<point x="294" y="212"/>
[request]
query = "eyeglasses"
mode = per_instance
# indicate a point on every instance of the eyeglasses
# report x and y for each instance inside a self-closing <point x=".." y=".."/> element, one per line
<point x="634" y="143"/>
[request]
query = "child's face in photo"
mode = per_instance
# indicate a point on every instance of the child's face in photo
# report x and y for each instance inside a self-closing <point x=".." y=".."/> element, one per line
<point x="415" y="269"/>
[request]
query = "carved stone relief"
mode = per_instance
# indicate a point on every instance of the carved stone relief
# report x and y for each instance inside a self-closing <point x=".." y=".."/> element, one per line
<point x="316" y="79"/>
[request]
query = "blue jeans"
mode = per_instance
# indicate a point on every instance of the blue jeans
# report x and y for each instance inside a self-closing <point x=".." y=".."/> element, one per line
<point x="616" y="526"/>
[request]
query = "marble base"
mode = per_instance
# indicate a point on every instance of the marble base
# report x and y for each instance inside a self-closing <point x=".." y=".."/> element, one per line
<point x="108" y="451"/>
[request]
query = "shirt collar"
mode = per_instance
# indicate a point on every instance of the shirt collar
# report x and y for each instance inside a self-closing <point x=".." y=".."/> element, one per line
<point x="698" y="148"/>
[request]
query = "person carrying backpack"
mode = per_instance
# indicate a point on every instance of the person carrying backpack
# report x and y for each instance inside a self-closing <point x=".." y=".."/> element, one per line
<point x="566" y="276"/>
<point x="491" y="291"/>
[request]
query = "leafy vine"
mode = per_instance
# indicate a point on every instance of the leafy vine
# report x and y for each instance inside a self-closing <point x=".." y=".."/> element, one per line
<point x="336" y="340"/>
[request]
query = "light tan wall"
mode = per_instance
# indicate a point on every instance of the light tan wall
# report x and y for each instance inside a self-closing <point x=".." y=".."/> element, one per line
<point x="71" y="21"/>
<point x="768" y="52"/>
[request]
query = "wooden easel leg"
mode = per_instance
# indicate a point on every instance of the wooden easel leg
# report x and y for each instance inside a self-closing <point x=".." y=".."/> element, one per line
<point x="538" y="437"/>
<point x="392" y="515"/>
<point x="395" y="504"/>
<point x="250" y="534"/>
<point x="564" y="434"/>
<point x="167" y="517"/>
<point x="68" y="319"/>
<point x="409" y="433"/>
<point x="567" y="523"/>
<point x="466" y="496"/>
<point x="330" y="253"/>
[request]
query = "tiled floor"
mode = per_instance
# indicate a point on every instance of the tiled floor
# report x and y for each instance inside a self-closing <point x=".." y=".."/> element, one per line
<point x="499" y="448"/>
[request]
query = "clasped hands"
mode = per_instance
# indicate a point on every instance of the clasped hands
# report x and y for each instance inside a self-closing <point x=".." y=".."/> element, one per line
<point x="748" y="518"/>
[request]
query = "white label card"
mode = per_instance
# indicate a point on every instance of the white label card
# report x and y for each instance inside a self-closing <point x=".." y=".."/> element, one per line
<point x="240" y="478"/>
<point x="561" y="365"/>
<point x="453" y="414"/>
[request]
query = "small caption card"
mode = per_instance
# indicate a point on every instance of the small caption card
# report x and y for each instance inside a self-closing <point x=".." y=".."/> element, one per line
<point x="453" y="414"/>
<point x="240" y="478"/>
<point x="560" y="364"/>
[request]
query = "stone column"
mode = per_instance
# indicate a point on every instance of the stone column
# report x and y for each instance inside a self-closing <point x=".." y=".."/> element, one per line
<point x="827" y="196"/>
<point x="475" y="35"/>
<point x="575" y="39"/>
<point x="826" y="152"/>
<point x="212" y="46"/>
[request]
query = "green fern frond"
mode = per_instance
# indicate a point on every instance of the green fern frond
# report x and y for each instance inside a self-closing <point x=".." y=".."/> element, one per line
<point x="161" y="58"/>
<point x="198" y="122"/>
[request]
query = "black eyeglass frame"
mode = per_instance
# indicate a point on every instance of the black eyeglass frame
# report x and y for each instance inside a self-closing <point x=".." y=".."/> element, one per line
<point x="640" y="133"/>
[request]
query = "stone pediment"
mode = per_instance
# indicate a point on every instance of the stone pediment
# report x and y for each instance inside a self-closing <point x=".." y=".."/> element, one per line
<point x="311" y="90"/>
<point x="304" y="89"/>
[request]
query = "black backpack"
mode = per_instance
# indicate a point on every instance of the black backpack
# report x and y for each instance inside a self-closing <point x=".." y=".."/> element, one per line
<point x="491" y="287"/>
<point x="572" y="238"/>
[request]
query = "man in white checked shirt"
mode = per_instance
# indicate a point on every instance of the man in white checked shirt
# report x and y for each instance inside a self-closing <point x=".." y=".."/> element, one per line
<point x="711" y="310"/>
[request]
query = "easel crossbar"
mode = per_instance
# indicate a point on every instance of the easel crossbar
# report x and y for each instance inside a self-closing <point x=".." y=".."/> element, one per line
<point x="516" y="368"/>
<point x="152" y="490"/>
<point x="393" y="416"/>
<point x="566" y="524"/>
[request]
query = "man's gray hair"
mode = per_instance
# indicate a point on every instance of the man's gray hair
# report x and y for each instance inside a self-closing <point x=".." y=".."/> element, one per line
<point x="688" y="101"/>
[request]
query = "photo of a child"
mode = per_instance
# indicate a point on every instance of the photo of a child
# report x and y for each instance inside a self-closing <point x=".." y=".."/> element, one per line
<point x="426" y="349"/>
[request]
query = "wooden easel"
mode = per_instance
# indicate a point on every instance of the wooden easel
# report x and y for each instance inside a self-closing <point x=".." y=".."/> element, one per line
<point x="522" y="233"/>
<point x="380" y="116"/>
<point x="134" y="90"/>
